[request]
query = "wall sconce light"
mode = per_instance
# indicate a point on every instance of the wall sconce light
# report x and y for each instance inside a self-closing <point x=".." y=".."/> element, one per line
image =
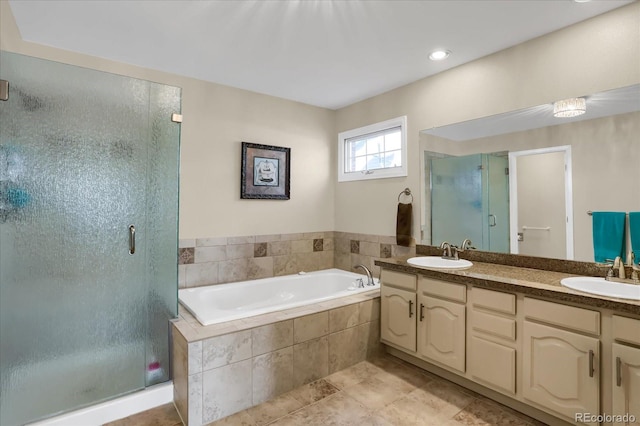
<point x="571" y="107"/>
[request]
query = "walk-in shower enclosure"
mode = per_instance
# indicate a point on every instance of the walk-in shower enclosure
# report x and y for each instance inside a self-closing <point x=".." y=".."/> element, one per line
<point x="88" y="235"/>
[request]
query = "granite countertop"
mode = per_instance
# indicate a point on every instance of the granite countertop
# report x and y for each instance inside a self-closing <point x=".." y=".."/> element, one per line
<point x="530" y="281"/>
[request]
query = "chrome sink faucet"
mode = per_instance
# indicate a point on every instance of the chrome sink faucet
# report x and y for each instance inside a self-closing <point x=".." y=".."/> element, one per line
<point x="466" y="245"/>
<point x="618" y="264"/>
<point x="450" y="251"/>
<point x="368" y="272"/>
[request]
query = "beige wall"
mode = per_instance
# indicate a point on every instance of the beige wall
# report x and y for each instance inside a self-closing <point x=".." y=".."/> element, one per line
<point x="216" y="119"/>
<point x="589" y="57"/>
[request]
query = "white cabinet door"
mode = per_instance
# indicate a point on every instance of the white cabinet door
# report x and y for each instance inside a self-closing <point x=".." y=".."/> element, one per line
<point x="492" y="364"/>
<point x="560" y="370"/>
<point x="626" y="383"/>
<point x="398" y="317"/>
<point x="441" y="331"/>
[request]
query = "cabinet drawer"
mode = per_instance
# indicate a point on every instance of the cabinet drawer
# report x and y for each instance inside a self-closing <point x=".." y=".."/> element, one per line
<point x="443" y="289"/>
<point x="398" y="279"/>
<point x="626" y="329"/>
<point x="578" y="319"/>
<point x="493" y="324"/>
<point x="494" y="300"/>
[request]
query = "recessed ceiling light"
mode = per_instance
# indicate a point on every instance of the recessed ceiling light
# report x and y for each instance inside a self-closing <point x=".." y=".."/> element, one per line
<point x="438" y="55"/>
<point x="582" y="1"/>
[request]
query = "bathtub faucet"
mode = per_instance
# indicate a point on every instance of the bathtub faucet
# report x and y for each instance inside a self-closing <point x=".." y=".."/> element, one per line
<point x="368" y="272"/>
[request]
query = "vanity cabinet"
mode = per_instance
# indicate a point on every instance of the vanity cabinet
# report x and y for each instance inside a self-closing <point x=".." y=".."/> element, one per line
<point x="491" y="329"/>
<point x="625" y="365"/>
<point x="398" y="309"/>
<point x="547" y="359"/>
<point x="560" y="366"/>
<point x="441" y="322"/>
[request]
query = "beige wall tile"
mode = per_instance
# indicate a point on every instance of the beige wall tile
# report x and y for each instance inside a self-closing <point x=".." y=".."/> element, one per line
<point x="241" y="240"/>
<point x="195" y="400"/>
<point x="198" y="274"/>
<point x="312" y="235"/>
<point x="344" y="349"/>
<point x="279" y="248"/>
<point x="328" y="244"/>
<point x="369" y="249"/>
<point x="240" y="251"/>
<point x="342" y="261"/>
<point x="226" y="349"/>
<point x="272" y="337"/>
<point x="289" y="237"/>
<point x="302" y="246"/>
<point x="210" y="254"/>
<point x="369" y="340"/>
<point x="226" y="390"/>
<point x="180" y="375"/>
<point x="388" y="239"/>
<point x="268" y="238"/>
<point x="272" y="374"/>
<point x="188" y="242"/>
<point x="310" y="361"/>
<point x="344" y="317"/>
<point x="342" y="245"/>
<point x="195" y="357"/>
<point x="369" y="238"/>
<point x="260" y="267"/>
<point x="369" y="311"/>
<point x="233" y="270"/>
<point x="182" y="276"/>
<point x="285" y="265"/>
<point x="310" y="327"/>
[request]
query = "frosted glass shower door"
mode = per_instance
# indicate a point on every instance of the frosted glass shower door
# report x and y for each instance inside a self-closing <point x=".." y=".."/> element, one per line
<point x="83" y="311"/>
<point x="457" y="200"/>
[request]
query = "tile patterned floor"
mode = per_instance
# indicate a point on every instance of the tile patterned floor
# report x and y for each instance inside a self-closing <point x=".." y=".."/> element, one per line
<point x="381" y="392"/>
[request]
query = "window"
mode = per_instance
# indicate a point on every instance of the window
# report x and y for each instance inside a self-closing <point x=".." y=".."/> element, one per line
<point x="373" y="152"/>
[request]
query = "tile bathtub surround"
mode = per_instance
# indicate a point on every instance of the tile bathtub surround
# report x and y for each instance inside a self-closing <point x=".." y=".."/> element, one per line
<point x="352" y="249"/>
<point x="224" y="374"/>
<point x="207" y="261"/>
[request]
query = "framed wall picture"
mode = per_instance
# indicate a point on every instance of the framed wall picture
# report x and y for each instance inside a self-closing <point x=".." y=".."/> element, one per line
<point x="265" y="172"/>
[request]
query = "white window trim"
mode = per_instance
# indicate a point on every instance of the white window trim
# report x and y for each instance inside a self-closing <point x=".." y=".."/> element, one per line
<point x="378" y="173"/>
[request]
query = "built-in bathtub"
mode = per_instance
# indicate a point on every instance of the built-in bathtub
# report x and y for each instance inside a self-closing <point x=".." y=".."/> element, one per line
<point x="229" y="366"/>
<point x="226" y="302"/>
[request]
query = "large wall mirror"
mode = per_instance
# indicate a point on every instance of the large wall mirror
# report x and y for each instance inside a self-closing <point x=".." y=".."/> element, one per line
<point x="524" y="182"/>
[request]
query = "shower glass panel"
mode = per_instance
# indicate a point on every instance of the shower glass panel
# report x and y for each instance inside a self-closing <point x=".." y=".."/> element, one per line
<point x="456" y="199"/>
<point x="84" y="155"/>
<point x="470" y="199"/>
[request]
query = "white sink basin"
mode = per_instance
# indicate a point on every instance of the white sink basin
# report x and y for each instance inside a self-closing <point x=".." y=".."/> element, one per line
<point x="602" y="287"/>
<point x="436" y="262"/>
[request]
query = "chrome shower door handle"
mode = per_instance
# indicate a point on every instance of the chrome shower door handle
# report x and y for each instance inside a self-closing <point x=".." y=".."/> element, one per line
<point x="132" y="239"/>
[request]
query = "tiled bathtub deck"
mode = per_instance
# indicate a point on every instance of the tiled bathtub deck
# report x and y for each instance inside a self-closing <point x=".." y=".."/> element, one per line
<point x="219" y="370"/>
<point x="381" y="392"/>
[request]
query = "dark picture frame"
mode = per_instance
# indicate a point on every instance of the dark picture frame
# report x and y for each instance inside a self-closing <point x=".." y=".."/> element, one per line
<point x="265" y="172"/>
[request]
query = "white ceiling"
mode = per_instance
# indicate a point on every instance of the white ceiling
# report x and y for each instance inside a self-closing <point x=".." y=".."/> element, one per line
<point x="327" y="53"/>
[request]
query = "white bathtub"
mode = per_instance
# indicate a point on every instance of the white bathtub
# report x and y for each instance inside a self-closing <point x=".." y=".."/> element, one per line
<point x="226" y="302"/>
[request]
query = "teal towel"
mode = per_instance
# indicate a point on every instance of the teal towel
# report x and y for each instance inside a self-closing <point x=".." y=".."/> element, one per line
<point x="608" y="235"/>
<point x="634" y="230"/>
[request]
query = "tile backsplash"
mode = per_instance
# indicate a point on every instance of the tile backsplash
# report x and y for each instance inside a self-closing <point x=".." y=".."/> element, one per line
<point x="207" y="261"/>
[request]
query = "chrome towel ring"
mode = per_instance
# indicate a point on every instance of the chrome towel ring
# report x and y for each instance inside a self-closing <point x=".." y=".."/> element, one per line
<point x="406" y="192"/>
